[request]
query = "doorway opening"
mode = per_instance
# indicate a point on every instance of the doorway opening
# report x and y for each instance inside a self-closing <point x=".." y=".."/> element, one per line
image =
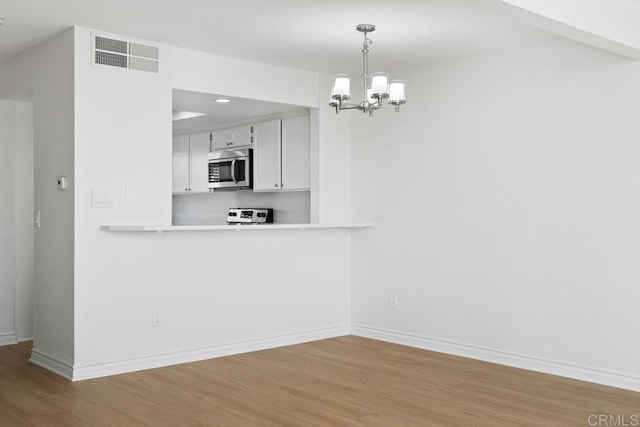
<point x="17" y="268"/>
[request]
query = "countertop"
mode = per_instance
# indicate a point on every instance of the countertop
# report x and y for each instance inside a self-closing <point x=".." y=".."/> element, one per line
<point x="240" y="227"/>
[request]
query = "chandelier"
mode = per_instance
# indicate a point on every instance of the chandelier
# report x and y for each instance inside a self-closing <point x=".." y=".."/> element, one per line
<point x="376" y="86"/>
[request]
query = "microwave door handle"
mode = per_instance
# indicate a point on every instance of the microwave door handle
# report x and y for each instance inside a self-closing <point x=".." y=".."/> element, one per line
<point x="233" y="171"/>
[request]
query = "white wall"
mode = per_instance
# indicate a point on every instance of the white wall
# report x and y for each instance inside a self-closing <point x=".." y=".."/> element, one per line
<point x="123" y="139"/>
<point x="601" y="23"/>
<point x="215" y="290"/>
<point x="16" y="221"/>
<point x="331" y="160"/>
<point x="48" y="71"/>
<point x="23" y="220"/>
<point x="199" y="72"/>
<point x="510" y="223"/>
<point x="7" y="252"/>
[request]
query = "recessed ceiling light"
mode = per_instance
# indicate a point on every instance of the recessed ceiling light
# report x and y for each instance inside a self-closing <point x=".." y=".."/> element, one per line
<point x="222" y="100"/>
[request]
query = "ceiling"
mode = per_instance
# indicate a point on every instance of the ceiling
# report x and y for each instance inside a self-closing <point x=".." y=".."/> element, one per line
<point x="316" y="35"/>
<point x="238" y="109"/>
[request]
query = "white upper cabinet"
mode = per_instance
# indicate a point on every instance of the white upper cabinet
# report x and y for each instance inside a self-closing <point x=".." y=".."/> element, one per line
<point x="190" y="169"/>
<point x="241" y="136"/>
<point x="295" y="153"/>
<point x="266" y="156"/>
<point x="237" y="137"/>
<point x="281" y="155"/>
<point x="220" y="139"/>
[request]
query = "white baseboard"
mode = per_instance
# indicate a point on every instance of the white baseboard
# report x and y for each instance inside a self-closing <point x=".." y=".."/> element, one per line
<point x="582" y="373"/>
<point x="8" y="338"/>
<point x="52" y="364"/>
<point x="131" y="365"/>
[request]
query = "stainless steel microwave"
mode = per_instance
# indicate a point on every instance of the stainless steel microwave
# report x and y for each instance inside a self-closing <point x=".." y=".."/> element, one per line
<point x="230" y="169"/>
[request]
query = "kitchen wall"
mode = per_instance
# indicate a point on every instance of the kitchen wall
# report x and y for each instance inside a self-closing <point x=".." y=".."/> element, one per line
<point x="504" y="197"/>
<point x="47" y="70"/>
<point x="214" y="292"/>
<point x="196" y="209"/>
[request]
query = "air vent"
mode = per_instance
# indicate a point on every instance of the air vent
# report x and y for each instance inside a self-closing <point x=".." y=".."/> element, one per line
<point x="123" y="54"/>
<point x="106" y="58"/>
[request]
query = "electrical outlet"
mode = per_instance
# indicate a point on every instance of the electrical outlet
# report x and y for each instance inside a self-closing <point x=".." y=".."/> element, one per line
<point x="156" y="320"/>
<point x="393" y="300"/>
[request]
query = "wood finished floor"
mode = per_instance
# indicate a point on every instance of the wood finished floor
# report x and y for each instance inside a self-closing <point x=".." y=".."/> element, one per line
<point x="346" y="381"/>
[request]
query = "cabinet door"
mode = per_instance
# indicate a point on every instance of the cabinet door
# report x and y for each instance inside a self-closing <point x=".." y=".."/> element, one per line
<point x="220" y="139"/>
<point x="180" y="164"/>
<point x="199" y="147"/>
<point x="295" y="153"/>
<point x="266" y="156"/>
<point x="241" y="136"/>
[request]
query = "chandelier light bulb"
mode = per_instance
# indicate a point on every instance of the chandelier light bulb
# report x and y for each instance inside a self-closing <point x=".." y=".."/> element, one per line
<point x="396" y="92"/>
<point x="379" y="85"/>
<point x="341" y="87"/>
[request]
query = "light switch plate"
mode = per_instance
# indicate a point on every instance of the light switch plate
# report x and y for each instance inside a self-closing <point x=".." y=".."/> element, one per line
<point x="102" y="199"/>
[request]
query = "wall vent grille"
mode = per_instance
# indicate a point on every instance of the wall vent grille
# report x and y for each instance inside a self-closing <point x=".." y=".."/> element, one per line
<point x="123" y="54"/>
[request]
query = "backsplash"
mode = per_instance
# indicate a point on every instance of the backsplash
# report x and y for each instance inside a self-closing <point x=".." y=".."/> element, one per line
<point x="211" y="209"/>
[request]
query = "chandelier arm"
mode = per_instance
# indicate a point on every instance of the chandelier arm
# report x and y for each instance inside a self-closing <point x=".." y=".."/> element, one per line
<point x="390" y="107"/>
<point x="345" y="105"/>
<point x="339" y="106"/>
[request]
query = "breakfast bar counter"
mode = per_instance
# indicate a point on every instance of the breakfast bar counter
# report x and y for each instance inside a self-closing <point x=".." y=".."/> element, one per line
<point x="234" y="227"/>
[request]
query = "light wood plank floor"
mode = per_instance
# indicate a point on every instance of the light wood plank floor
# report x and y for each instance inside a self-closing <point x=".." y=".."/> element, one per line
<point x="346" y="381"/>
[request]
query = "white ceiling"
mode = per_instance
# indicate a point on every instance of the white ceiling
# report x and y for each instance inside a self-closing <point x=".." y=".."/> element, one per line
<point x="238" y="109"/>
<point x="317" y="35"/>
